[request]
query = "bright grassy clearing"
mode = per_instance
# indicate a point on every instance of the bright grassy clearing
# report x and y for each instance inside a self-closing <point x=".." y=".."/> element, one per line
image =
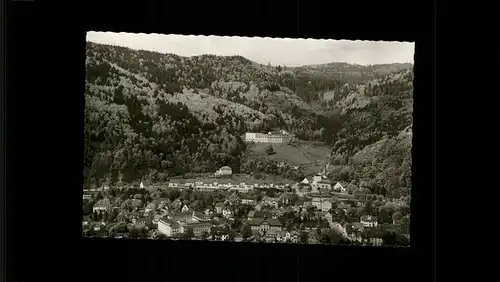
<point x="312" y="155"/>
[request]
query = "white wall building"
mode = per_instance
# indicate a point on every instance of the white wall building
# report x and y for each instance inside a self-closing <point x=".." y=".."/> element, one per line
<point x="278" y="137"/>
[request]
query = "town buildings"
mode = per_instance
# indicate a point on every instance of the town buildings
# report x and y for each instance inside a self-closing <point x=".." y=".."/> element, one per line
<point x="280" y="218"/>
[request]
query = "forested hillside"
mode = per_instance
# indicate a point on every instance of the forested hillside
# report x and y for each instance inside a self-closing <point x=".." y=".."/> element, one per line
<point x="150" y="116"/>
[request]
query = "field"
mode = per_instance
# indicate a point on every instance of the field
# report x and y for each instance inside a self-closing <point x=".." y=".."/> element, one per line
<point x="311" y="155"/>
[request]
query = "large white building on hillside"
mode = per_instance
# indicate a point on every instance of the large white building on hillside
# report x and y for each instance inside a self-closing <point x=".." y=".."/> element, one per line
<point x="271" y="137"/>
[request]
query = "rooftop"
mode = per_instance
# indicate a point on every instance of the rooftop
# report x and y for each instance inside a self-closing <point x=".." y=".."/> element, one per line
<point x="271" y="221"/>
<point x="169" y="222"/>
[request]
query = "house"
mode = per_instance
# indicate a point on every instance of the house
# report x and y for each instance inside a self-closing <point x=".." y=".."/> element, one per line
<point x="271" y="201"/>
<point x="283" y="236"/>
<point x="138" y="220"/>
<point x="265" y="224"/>
<point x="294" y="236"/>
<point x="185" y="208"/>
<point x="272" y="234"/>
<point x="324" y="184"/>
<point x="141" y="185"/>
<point x="227" y="213"/>
<point x="87" y="196"/>
<point x="102" y="205"/>
<point x="304" y="187"/>
<point x="176" y="205"/>
<point x="150" y="207"/>
<point x="248" y="200"/>
<point x="317" y="178"/>
<point x="259" y="206"/>
<point x="219" y="207"/>
<point x="225" y="170"/>
<point x="369" y="221"/>
<point x="340" y="187"/>
<point x="234" y="199"/>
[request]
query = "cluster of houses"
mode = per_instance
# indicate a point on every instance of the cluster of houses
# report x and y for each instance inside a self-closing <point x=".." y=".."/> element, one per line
<point x="174" y="218"/>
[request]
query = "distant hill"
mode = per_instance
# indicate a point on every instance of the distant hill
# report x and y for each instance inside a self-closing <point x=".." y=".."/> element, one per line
<point x="153" y="116"/>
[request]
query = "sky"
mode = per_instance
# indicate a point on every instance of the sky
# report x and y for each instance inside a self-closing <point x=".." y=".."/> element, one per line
<point x="277" y="51"/>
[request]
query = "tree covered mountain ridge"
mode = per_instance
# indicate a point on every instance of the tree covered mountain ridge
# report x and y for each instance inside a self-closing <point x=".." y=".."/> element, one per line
<point x="151" y="116"/>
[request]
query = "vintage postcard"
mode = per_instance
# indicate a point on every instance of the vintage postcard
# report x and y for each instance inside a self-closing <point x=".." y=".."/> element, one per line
<point x="269" y="140"/>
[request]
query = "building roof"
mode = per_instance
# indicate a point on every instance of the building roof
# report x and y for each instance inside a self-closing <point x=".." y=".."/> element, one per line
<point x="181" y="216"/>
<point x="200" y="215"/>
<point x="169" y="222"/>
<point x="219" y="205"/>
<point x="251" y="213"/>
<point x="197" y="223"/>
<point x="267" y="198"/>
<point x="256" y="221"/>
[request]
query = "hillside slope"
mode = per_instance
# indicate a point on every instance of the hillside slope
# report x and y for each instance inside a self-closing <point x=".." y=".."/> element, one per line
<point x="152" y="116"/>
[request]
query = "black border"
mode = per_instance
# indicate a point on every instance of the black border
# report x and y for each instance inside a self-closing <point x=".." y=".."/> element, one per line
<point x="44" y="140"/>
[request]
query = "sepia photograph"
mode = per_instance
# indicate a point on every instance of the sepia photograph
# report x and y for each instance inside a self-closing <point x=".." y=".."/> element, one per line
<point x="247" y="139"/>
